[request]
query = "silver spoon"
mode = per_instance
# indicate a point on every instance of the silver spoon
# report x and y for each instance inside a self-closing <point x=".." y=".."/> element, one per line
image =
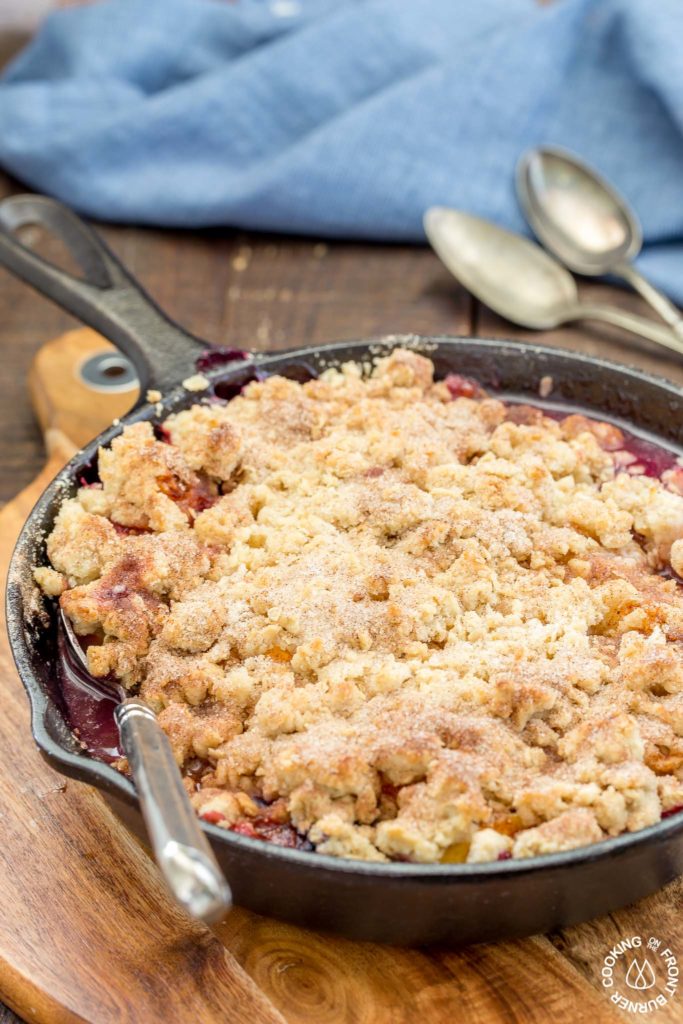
<point x="585" y="222"/>
<point x="516" y="278"/>
<point x="181" y="849"/>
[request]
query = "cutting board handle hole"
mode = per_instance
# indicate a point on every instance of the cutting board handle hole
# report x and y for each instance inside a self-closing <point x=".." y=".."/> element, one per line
<point x="107" y="371"/>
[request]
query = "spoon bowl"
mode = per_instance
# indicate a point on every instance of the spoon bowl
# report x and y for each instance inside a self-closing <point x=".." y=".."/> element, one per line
<point x="576" y="213"/>
<point x="510" y="274"/>
<point x="584" y="220"/>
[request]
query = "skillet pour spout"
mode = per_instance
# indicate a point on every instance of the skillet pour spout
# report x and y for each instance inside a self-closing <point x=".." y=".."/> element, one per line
<point x="401" y="903"/>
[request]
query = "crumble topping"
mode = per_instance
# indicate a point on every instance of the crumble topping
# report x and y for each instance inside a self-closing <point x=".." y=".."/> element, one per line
<point x="398" y="618"/>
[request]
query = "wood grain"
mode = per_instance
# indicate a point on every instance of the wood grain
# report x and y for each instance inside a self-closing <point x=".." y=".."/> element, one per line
<point x="312" y="979"/>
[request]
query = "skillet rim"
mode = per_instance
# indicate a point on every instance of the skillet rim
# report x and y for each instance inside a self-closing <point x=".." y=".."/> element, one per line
<point x="104" y="777"/>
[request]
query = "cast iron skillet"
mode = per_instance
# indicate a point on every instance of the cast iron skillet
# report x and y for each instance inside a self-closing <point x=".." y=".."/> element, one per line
<point x="398" y="903"/>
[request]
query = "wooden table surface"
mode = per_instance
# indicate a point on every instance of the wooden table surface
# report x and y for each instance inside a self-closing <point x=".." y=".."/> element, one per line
<point x="263" y="292"/>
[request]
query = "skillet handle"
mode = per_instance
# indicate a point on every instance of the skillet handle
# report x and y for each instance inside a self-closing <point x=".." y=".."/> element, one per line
<point x="107" y="297"/>
<point x="181" y="849"/>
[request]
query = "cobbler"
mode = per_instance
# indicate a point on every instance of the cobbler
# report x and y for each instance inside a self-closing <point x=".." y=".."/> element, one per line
<point x="388" y="618"/>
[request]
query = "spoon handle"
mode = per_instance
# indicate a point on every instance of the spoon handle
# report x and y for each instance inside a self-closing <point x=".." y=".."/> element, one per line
<point x="630" y="322"/>
<point x="657" y="300"/>
<point x="181" y="849"/>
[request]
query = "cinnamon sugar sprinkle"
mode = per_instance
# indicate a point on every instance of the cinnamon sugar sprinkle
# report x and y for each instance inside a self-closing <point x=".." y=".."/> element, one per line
<point x="388" y="619"/>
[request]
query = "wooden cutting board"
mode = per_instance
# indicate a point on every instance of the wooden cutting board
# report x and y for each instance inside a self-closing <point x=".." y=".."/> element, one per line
<point x="88" y="933"/>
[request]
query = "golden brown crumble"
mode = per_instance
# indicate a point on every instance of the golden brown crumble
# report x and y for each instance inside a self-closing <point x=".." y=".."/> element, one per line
<point x="406" y="625"/>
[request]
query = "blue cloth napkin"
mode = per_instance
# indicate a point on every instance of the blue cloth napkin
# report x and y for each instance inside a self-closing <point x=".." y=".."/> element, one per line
<point x="347" y="118"/>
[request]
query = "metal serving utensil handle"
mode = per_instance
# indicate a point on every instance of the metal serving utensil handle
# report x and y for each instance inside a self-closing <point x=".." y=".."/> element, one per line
<point x="632" y="322"/>
<point x="107" y="297"/>
<point x="659" y="302"/>
<point x="181" y="849"/>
